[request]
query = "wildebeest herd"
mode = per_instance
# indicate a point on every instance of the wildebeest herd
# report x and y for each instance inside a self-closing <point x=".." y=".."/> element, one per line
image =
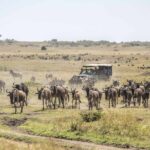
<point x="132" y="92"/>
<point x="54" y="96"/>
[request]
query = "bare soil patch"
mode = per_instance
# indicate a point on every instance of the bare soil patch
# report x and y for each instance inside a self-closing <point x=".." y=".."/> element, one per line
<point x="13" y="122"/>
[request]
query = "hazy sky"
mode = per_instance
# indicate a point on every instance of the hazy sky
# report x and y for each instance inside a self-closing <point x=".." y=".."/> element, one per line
<point x="114" y="20"/>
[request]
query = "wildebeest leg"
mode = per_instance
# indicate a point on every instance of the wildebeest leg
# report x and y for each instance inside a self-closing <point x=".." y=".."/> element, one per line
<point x="22" y="105"/>
<point x="112" y="102"/>
<point x="4" y="88"/>
<point x="49" y="102"/>
<point x="147" y="102"/>
<point x="72" y="103"/>
<point x="129" y="101"/>
<point x="89" y="103"/>
<point x="62" y="100"/>
<point x="52" y="101"/>
<point x="76" y="103"/>
<point x="46" y="102"/>
<point x="43" y="103"/>
<point x="139" y="100"/>
<point x="26" y="101"/>
<point x="55" y="102"/>
<point x="96" y="103"/>
<point x="15" y="107"/>
<point x="115" y="100"/>
<point x="109" y="102"/>
<point x="59" y="101"/>
<point x="134" y="101"/>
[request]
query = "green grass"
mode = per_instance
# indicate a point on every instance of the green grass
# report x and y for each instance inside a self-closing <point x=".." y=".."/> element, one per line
<point x="116" y="127"/>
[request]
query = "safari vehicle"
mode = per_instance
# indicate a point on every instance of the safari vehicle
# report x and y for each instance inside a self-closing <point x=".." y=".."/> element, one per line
<point x="98" y="71"/>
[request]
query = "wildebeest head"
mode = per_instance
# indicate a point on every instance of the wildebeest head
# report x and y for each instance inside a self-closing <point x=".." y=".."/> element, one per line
<point x="53" y="90"/>
<point x="39" y="93"/>
<point x="87" y="89"/>
<point x="10" y="95"/>
<point x="73" y="92"/>
<point x="106" y="92"/>
<point x="17" y="86"/>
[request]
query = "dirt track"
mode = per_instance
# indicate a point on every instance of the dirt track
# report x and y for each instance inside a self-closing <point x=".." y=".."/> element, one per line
<point x="69" y="144"/>
<point x="85" y="145"/>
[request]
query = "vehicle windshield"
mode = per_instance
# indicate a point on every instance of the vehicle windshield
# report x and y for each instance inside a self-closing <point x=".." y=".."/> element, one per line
<point x="103" y="70"/>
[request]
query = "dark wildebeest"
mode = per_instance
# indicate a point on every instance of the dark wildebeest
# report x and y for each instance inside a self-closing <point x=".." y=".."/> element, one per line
<point x="116" y="83"/>
<point x="126" y="93"/>
<point x="22" y="87"/>
<point x="76" y="98"/>
<point x="92" y="96"/>
<point x="138" y="96"/>
<point x="129" y="96"/>
<point x="46" y="95"/>
<point x="145" y="95"/>
<point x="17" y="98"/>
<point x="2" y="86"/>
<point x="61" y="93"/>
<point x="112" y="96"/>
<point x="100" y="95"/>
<point x="15" y="74"/>
<point x="132" y="85"/>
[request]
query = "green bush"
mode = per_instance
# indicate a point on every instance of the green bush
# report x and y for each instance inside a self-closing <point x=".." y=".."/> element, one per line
<point x="43" y="48"/>
<point x="91" y="116"/>
<point x="74" y="126"/>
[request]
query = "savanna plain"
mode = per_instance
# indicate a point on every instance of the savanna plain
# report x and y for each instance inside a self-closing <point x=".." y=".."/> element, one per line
<point x="114" y="128"/>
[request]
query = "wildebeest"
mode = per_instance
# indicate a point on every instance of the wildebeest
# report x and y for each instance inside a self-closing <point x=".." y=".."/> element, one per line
<point x="138" y="95"/>
<point x="76" y="98"/>
<point x="111" y="95"/>
<point x="15" y="74"/>
<point x="17" y="98"/>
<point x="61" y="93"/>
<point x="2" y="85"/>
<point x="92" y="96"/>
<point x="145" y="95"/>
<point x="46" y="95"/>
<point x="22" y="87"/>
<point x="116" y="83"/>
<point x="126" y="93"/>
<point x="100" y="95"/>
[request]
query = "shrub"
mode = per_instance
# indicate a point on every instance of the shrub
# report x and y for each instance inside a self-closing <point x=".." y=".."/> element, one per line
<point x="91" y="116"/>
<point x="74" y="126"/>
<point x="43" y="48"/>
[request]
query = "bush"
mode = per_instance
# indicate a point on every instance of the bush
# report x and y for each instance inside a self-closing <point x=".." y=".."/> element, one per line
<point x="91" y="116"/>
<point x="43" y="48"/>
<point x="74" y="126"/>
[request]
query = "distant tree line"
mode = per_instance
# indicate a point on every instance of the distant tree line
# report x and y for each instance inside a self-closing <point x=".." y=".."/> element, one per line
<point x="83" y="43"/>
<point x="89" y="43"/>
